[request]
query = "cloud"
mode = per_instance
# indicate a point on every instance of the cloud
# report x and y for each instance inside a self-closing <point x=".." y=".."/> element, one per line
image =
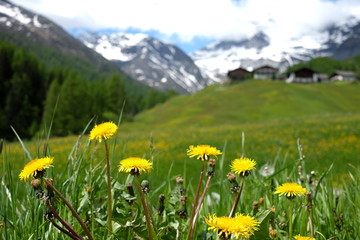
<point x="188" y="19"/>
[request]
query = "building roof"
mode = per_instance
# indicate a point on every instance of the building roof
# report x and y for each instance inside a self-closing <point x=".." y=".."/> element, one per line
<point x="344" y="73"/>
<point x="265" y="67"/>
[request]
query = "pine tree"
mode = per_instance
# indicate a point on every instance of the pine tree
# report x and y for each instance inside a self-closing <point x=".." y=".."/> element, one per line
<point x="115" y="97"/>
<point x="73" y="106"/>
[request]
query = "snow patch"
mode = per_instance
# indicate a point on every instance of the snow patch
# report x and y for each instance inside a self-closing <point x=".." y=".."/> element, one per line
<point x="15" y="13"/>
<point x="36" y="22"/>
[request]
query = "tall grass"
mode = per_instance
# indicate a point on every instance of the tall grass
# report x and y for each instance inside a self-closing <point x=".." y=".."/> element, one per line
<point x="81" y="178"/>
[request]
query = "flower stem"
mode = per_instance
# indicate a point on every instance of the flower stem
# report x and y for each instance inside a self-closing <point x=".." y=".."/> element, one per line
<point x="76" y="215"/>
<point x="291" y="219"/>
<point x="201" y="201"/>
<point x="145" y="206"/>
<point x="237" y="198"/>
<point x="63" y="222"/>
<point x="63" y="230"/>
<point x="109" y="203"/>
<point x="191" y="230"/>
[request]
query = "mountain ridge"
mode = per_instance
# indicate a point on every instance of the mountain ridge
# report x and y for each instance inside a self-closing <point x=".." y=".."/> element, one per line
<point x="146" y="59"/>
<point x="40" y="35"/>
<point x="338" y="41"/>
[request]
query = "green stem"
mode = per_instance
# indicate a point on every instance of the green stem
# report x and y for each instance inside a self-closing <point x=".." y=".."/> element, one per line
<point x="76" y="215"/>
<point x="237" y="198"/>
<point x="146" y="209"/>
<point x="291" y="220"/>
<point x="201" y="201"/>
<point x="191" y="230"/>
<point x="109" y="203"/>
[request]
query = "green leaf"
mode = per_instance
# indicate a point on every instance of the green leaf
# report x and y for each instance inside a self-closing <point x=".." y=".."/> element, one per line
<point x="263" y="232"/>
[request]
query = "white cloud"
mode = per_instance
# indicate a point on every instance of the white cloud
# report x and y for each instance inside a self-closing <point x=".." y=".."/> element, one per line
<point x="216" y="19"/>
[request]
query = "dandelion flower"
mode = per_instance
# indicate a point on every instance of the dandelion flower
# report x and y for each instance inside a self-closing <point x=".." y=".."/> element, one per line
<point x="202" y="152"/>
<point x="239" y="226"/>
<point x="298" y="237"/>
<point x="34" y="167"/>
<point x="242" y="166"/>
<point x="290" y="190"/>
<point x="135" y="165"/>
<point x="102" y="131"/>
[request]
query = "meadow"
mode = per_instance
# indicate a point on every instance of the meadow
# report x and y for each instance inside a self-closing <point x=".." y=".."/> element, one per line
<point x="323" y="141"/>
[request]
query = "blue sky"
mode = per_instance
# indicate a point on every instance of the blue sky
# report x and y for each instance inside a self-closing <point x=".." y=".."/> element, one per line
<point x="192" y="24"/>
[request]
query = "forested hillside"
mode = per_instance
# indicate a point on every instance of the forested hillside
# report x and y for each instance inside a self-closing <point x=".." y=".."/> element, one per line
<point x="30" y="91"/>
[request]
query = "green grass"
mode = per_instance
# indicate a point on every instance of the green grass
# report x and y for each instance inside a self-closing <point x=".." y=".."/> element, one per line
<point x="272" y="116"/>
<point x="253" y="101"/>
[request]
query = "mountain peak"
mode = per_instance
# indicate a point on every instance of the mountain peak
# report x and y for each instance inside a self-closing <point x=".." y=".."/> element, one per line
<point x="338" y="41"/>
<point x="146" y="59"/>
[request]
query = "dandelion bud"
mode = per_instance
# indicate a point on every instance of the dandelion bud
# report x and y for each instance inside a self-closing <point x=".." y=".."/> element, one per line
<point x="261" y="201"/>
<point x="212" y="162"/>
<point x="179" y="180"/>
<point x="234" y="185"/>
<point x="36" y="183"/>
<point x="211" y="170"/>
<point x="272" y="209"/>
<point x="49" y="181"/>
<point x="272" y="233"/>
<point x="145" y="186"/>
<point x="231" y="176"/>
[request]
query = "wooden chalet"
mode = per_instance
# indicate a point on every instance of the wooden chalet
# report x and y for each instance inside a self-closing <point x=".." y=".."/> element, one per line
<point x="265" y="72"/>
<point x="303" y="75"/>
<point x="238" y="74"/>
<point x="347" y="76"/>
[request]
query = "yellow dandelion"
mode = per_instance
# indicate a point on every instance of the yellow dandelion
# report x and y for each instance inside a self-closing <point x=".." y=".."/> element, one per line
<point x="34" y="167"/>
<point x="242" y="166"/>
<point x="202" y="152"/>
<point x="102" y="131"/>
<point x="239" y="226"/>
<point x="290" y="190"/>
<point x="298" y="237"/>
<point x="135" y="165"/>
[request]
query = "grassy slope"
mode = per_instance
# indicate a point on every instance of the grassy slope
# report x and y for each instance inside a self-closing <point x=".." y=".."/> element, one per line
<point x="273" y="115"/>
<point x="254" y="101"/>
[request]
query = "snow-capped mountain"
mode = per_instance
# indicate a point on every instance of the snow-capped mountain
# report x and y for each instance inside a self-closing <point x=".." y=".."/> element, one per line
<point x="149" y="60"/>
<point x="337" y="41"/>
<point x="28" y="29"/>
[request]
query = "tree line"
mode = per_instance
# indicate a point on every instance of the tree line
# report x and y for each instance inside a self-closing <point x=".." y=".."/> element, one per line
<point x="32" y="96"/>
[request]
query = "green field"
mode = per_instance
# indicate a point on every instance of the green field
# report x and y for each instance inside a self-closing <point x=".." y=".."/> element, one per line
<point x="271" y="115"/>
